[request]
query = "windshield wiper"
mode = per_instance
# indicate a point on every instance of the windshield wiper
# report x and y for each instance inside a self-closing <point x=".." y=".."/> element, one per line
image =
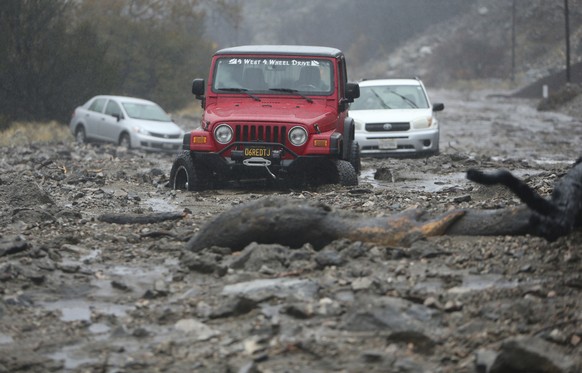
<point x="294" y="91"/>
<point x="382" y="102"/>
<point x="408" y="101"/>
<point x="241" y="90"/>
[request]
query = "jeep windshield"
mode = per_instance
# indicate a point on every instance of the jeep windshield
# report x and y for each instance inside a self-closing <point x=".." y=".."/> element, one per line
<point x="268" y="75"/>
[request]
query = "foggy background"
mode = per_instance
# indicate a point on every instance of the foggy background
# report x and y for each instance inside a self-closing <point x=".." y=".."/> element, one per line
<point x="59" y="53"/>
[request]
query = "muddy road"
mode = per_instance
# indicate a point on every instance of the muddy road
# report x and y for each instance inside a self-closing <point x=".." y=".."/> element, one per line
<point x="82" y="295"/>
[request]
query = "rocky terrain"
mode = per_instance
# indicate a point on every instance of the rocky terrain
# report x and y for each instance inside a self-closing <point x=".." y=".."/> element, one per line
<point x="79" y="294"/>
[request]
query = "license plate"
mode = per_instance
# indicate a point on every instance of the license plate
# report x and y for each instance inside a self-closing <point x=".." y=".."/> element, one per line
<point x="257" y="152"/>
<point x="168" y="146"/>
<point x="386" y="144"/>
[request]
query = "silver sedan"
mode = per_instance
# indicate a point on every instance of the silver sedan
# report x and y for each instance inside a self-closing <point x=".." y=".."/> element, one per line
<point x="126" y="121"/>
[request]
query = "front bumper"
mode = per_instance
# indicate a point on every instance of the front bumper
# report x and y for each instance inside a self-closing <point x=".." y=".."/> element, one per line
<point x="156" y="144"/>
<point x="398" y="143"/>
<point x="227" y="168"/>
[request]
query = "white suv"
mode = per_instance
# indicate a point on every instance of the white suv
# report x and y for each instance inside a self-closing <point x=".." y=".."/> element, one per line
<point x="394" y="117"/>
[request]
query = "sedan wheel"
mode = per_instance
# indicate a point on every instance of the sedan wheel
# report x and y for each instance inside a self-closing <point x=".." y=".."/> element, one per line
<point x="124" y="141"/>
<point x="80" y="135"/>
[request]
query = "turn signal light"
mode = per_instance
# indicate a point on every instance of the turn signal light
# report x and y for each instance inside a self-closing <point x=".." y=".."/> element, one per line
<point x="198" y="139"/>
<point x="320" y="143"/>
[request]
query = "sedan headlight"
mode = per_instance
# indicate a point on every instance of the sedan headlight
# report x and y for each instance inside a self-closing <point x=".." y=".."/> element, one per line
<point x="223" y="134"/>
<point x="422" y="122"/>
<point x="141" y="131"/>
<point x="298" y="136"/>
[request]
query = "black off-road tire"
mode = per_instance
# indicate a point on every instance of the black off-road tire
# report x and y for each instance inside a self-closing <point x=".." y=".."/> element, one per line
<point x="186" y="175"/>
<point x="346" y="173"/>
<point x="80" y="134"/>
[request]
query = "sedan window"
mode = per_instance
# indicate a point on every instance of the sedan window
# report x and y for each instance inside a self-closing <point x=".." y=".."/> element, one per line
<point x="97" y="105"/>
<point x="113" y="109"/>
<point x="146" y="111"/>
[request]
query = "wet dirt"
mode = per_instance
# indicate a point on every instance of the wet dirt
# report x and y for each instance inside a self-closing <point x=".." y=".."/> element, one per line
<point x="82" y="295"/>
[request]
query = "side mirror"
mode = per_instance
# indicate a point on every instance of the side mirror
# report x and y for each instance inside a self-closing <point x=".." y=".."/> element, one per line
<point x="352" y="91"/>
<point x="198" y="88"/>
<point x="438" y="107"/>
<point x="117" y="116"/>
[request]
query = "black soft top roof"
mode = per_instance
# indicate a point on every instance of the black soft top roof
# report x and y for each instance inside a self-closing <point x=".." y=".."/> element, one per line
<point x="303" y="50"/>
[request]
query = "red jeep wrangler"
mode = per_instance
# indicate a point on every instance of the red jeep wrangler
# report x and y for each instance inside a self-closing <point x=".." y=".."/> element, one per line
<point x="275" y="113"/>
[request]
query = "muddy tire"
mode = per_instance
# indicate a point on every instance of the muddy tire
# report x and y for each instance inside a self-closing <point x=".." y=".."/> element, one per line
<point x="80" y="135"/>
<point x="125" y="141"/>
<point x="355" y="158"/>
<point x="185" y="175"/>
<point x="346" y="173"/>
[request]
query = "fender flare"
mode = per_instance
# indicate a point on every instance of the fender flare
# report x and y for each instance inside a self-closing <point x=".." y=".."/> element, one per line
<point x="348" y="137"/>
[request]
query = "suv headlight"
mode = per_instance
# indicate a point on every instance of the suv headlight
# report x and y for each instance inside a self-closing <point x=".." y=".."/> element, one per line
<point x="298" y="136"/>
<point x="223" y="134"/>
<point x="359" y="125"/>
<point x="422" y="122"/>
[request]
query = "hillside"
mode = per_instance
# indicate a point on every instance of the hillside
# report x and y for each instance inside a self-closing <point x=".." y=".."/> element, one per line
<point x="477" y="45"/>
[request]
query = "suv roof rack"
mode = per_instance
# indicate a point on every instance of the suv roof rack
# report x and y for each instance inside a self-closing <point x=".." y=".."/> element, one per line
<point x="392" y="77"/>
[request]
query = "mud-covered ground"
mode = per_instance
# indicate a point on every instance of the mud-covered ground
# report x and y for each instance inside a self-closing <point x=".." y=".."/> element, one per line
<point x="82" y="295"/>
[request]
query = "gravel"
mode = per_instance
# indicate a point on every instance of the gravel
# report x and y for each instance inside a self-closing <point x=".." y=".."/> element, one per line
<point x="79" y="294"/>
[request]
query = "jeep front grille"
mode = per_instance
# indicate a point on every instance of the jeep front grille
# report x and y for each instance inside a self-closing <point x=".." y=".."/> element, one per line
<point x="387" y="127"/>
<point x="261" y="133"/>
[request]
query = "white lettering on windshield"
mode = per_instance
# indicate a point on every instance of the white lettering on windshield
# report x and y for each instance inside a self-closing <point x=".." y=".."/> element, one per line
<point x="272" y="62"/>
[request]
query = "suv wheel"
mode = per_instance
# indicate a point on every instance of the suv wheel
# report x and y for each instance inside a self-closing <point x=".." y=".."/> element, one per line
<point x="346" y="173"/>
<point x="185" y="175"/>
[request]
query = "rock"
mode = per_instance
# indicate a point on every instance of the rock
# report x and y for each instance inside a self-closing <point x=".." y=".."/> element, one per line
<point x="532" y="354"/>
<point x="273" y="288"/>
<point x="13" y="245"/>
<point x="195" y="328"/>
<point x="232" y="307"/>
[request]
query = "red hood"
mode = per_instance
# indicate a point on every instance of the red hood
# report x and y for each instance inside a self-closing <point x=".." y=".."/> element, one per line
<point x="271" y="110"/>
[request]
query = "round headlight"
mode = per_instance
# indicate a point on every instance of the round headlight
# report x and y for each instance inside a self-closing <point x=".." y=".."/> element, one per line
<point x="298" y="136"/>
<point x="223" y="134"/>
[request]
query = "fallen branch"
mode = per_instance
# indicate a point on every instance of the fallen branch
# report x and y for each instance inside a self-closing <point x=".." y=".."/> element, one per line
<point x="294" y="223"/>
<point x="552" y="218"/>
<point x="140" y="219"/>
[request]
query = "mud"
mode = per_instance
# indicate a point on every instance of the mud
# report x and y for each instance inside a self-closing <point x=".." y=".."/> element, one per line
<point x="82" y="295"/>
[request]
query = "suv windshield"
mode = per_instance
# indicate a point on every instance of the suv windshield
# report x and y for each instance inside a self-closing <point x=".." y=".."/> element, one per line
<point x="390" y="97"/>
<point x="146" y="111"/>
<point x="274" y="75"/>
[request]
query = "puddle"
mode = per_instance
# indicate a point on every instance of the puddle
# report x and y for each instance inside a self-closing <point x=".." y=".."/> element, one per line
<point x="99" y="328"/>
<point x="72" y="357"/>
<point x="5" y="339"/>
<point x="416" y="181"/>
<point x="81" y="309"/>
<point x="428" y="182"/>
<point x="483" y="282"/>
<point x="160" y="205"/>
<point x="137" y="280"/>
<point x="96" y="297"/>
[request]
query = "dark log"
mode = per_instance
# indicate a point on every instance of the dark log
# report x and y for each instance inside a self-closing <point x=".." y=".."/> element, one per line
<point x="296" y="222"/>
<point x="552" y="218"/>
<point x="140" y="219"/>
